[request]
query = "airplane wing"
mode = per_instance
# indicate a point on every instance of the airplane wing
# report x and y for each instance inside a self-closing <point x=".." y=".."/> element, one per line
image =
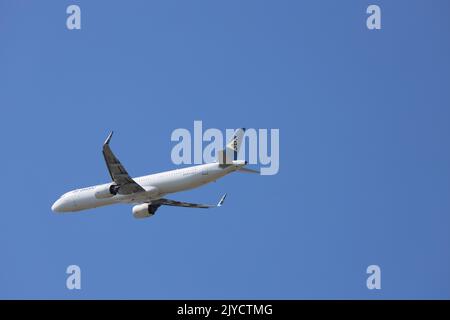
<point x="117" y="171"/>
<point x="168" y="202"/>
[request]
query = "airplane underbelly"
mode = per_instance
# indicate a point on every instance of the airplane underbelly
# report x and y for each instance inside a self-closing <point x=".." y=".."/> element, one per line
<point x="87" y="200"/>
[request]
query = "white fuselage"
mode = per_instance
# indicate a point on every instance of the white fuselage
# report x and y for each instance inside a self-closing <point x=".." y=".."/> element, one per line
<point x="155" y="185"/>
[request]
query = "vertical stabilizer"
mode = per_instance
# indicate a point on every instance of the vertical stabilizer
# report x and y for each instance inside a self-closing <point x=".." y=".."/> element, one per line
<point x="227" y="155"/>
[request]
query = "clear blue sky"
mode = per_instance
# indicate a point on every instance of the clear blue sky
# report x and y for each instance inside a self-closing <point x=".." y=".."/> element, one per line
<point x="364" y="119"/>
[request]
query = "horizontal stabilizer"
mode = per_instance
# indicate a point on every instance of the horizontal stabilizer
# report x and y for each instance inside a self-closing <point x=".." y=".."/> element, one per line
<point x="247" y="170"/>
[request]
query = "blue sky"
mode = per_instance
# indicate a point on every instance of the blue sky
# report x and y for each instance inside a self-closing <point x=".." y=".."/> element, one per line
<point x="364" y="147"/>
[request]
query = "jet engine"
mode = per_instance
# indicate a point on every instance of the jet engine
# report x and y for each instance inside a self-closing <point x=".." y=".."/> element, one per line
<point x="144" y="210"/>
<point x="106" y="191"/>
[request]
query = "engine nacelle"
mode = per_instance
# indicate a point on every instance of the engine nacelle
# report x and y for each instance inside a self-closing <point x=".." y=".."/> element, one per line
<point x="106" y="191"/>
<point x="144" y="210"/>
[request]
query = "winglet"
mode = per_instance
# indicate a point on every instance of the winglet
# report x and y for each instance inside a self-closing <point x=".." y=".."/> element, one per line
<point x="109" y="138"/>
<point x="222" y="200"/>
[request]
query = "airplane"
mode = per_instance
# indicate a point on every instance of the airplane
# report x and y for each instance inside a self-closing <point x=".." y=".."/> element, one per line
<point x="147" y="193"/>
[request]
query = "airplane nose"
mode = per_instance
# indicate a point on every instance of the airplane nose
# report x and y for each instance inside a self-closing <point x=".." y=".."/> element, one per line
<point x="58" y="206"/>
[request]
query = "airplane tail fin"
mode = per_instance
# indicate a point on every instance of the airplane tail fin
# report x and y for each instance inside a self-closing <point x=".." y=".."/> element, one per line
<point x="227" y="155"/>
